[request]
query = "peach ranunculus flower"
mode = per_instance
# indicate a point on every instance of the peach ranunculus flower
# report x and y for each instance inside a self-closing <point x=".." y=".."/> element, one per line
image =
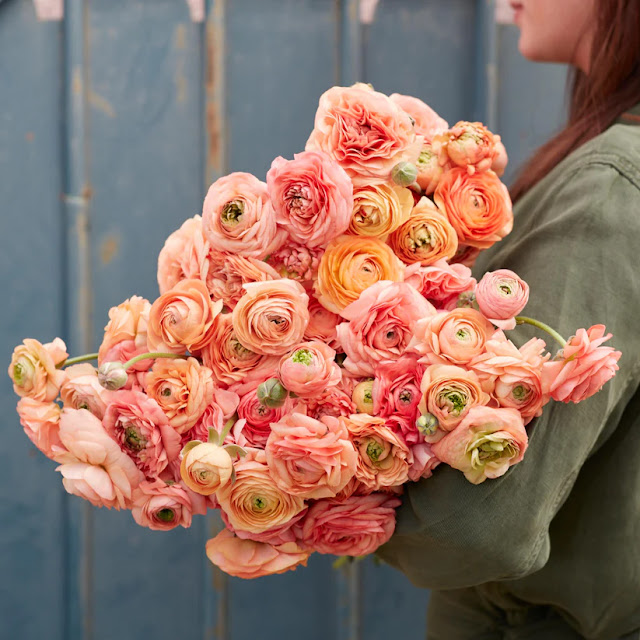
<point x="379" y="210"/>
<point x="237" y="217"/>
<point x="33" y="369"/>
<point x="448" y="394"/>
<point x="334" y="402"/>
<point x="248" y="559"/>
<point x="41" y="423"/>
<point x="350" y="265"/>
<point x="365" y="132"/>
<point x="310" y="458"/>
<point x="322" y="324"/>
<point x="296" y="262"/>
<point x="272" y="316"/>
<point x="429" y="169"/>
<point x="182" y="388"/>
<point x="215" y="415"/>
<point x="451" y="337"/>
<point x="501" y="295"/>
<point x="501" y="160"/>
<point x="309" y="369"/>
<point x="423" y="462"/>
<point x="182" y="318"/>
<point x="185" y="255"/>
<point x="469" y="145"/>
<point x="355" y="526"/>
<point x="141" y="429"/>
<point x="312" y="196"/>
<point x="93" y="465"/>
<point x="427" y="123"/>
<point x="383" y="456"/>
<point x="206" y="467"/>
<point x="582" y="367"/>
<point x="440" y="283"/>
<point x="478" y="206"/>
<point x="426" y="237"/>
<point x="485" y="444"/>
<point x="381" y="325"/>
<point x="254" y="502"/>
<point x="161" y="506"/>
<point x="127" y="322"/>
<point x="81" y="390"/>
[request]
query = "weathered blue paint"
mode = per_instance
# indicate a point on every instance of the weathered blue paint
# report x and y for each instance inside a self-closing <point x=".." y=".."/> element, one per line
<point x="112" y="125"/>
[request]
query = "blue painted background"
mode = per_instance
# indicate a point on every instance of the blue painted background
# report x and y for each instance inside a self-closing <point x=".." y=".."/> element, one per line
<point x="112" y="124"/>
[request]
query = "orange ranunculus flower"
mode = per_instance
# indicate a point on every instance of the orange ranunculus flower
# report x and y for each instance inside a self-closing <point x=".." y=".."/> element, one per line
<point x="469" y="145"/>
<point x="379" y="210"/>
<point x="350" y="265"/>
<point x="127" y="321"/>
<point x="426" y="237"/>
<point x="429" y="169"/>
<point x="478" y="206"/>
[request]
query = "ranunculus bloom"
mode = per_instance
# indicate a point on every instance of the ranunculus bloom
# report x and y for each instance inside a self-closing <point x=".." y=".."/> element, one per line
<point x="322" y="324"/>
<point x="33" y="369"/>
<point x="248" y="559"/>
<point x="309" y="369"/>
<point x="352" y="264"/>
<point x="485" y="444"/>
<point x="501" y="160"/>
<point x="127" y="322"/>
<point x="427" y="123"/>
<point x="125" y="351"/>
<point x="365" y="132"/>
<point x="362" y="396"/>
<point x="466" y="255"/>
<point x="381" y="324"/>
<point x="182" y="318"/>
<point x="426" y="237"/>
<point x="215" y="415"/>
<point x="41" y="422"/>
<point x="382" y="454"/>
<point x="237" y="217"/>
<point x="286" y="533"/>
<point x="206" y="468"/>
<point x="355" y="526"/>
<point x="584" y="366"/>
<point x="312" y="196"/>
<point x="81" y="390"/>
<point x="423" y="461"/>
<point x="380" y="209"/>
<point x="185" y="255"/>
<point x="161" y="506"/>
<point x="478" y="206"/>
<point x="297" y="262"/>
<point x="440" y="283"/>
<point x="182" y="388"/>
<point x="334" y="401"/>
<point x="310" y="458"/>
<point x="142" y="431"/>
<point x="469" y="145"/>
<point x="429" y="169"/>
<point x="254" y="502"/>
<point x="451" y="337"/>
<point x="94" y="467"/>
<point x="501" y="295"/>
<point x="272" y="316"/>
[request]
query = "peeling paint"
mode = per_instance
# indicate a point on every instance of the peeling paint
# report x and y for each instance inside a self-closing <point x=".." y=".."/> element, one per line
<point x="101" y="103"/>
<point x="180" y="79"/>
<point x="109" y="248"/>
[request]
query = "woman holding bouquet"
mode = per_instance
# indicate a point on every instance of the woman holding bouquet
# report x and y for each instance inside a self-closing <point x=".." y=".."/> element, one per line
<point x="551" y="550"/>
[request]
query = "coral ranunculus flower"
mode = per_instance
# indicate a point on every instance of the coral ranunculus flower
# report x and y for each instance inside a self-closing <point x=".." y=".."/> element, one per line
<point x="427" y="122"/>
<point x="380" y="209"/>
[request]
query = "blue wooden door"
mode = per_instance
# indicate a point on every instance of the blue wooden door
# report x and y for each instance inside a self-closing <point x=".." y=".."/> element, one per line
<point x="112" y="123"/>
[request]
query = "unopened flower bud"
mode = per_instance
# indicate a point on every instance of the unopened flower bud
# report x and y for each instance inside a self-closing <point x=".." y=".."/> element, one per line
<point x="404" y="174"/>
<point x="112" y="375"/>
<point x="271" y="393"/>
<point x="427" y="424"/>
<point x="363" y="396"/>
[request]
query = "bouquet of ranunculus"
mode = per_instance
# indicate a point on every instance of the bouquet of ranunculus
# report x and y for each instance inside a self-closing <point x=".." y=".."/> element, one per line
<point x="319" y="341"/>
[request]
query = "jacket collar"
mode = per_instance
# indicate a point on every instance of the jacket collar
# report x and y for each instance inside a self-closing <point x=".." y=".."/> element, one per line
<point x="632" y="116"/>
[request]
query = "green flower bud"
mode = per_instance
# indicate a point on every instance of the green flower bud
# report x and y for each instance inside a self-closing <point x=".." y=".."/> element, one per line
<point x="271" y="393"/>
<point x="427" y="424"/>
<point x="363" y="396"/>
<point x="112" y="375"/>
<point x="404" y="174"/>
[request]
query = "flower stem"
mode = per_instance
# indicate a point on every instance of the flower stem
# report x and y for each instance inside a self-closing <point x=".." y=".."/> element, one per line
<point x="545" y="327"/>
<point x="225" y="431"/>
<point x="150" y="356"/>
<point x="78" y="359"/>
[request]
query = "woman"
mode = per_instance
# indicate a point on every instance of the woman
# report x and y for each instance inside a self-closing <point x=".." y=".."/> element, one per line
<point x="552" y="549"/>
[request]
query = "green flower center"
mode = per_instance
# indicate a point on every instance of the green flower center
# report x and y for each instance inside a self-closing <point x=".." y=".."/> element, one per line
<point x="302" y="356"/>
<point x="166" y="515"/>
<point x="374" y="450"/>
<point x="456" y="401"/>
<point x="520" y="392"/>
<point x="405" y="396"/>
<point x="259" y="503"/>
<point x="232" y="212"/>
<point x="133" y="440"/>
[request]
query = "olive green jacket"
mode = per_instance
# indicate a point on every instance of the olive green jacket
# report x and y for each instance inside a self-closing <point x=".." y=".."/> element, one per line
<point x="562" y="528"/>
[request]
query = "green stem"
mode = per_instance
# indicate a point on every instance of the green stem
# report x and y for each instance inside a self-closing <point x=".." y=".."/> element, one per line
<point x="545" y="327"/>
<point x="78" y="359"/>
<point x="225" y="431"/>
<point x="150" y="356"/>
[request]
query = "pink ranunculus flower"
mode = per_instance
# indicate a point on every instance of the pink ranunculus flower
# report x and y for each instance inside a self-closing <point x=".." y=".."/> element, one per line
<point x="297" y="262"/>
<point x="441" y="282"/>
<point x="93" y="465"/>
<point x="429" y="169"/>
<point x="310" y="458"/>
<point x="334" y="402"/>
<point x="322" y="324"/>
<point x="286" y="533"/>
<point x="237" y="217"/>
<point x="81" y="390"/>
<point x="309" y="369"/>
<point x="423" y="461"/>
<point x="380" y="325"/>
<point x="365" y="132"/>
<point x="485" y="444"/>
<point x="215" y="415"/>
<point x="501" y="295"/>
<point x="582" y="367"/>
<point x="427" y="122"/>
<point x="142" y="430"/>
<point x="41" y="423"/>
<point x="312" y="196"/>
<point x="127" y="322"/>
<point x="248" y="559"/>
<point x="161" y="506"/>
<point x="355" y="526"/>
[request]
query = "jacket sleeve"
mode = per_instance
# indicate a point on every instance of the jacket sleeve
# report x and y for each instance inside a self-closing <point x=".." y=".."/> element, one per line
<point x="581" y="258"/>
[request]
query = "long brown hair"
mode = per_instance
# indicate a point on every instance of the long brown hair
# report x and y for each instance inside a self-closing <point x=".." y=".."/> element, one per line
<point x="597" y="99"/>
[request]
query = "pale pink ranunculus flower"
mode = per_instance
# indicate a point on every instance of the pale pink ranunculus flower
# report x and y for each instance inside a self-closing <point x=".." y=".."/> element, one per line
<point x="238" y="218"/>
<point x="355" y="526"/>
<point x="309" y="369"/>
<point x="485" y="444"/>
<point x="297" y="262"/>
<point x="582" y="367"/>
<point x="365" y="132"/>
<point x="501" y="295"/>
<point x="41" y="423"/>
<point x="127" y="321"/>
<point x="93" y="465"/>
<point x="322" y="324"/>
<point x="248" y="559"/>
<point x="142" y="431"/>
<point x="423" y="461"/>
<point x="469" y="145"/>
<point x="33" y="369"/>
<point x="81" y="390"/>
<point x="310" y="458"/>
<point x="427" y="123"/>
<point x="161" y="506"/>
<point x="380" y="325"/>
<point x="440" y="283"/>
<point x="312" y="196"/>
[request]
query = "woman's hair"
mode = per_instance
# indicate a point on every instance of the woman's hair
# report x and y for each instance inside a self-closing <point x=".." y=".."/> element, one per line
<point x="597" y="99"/>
